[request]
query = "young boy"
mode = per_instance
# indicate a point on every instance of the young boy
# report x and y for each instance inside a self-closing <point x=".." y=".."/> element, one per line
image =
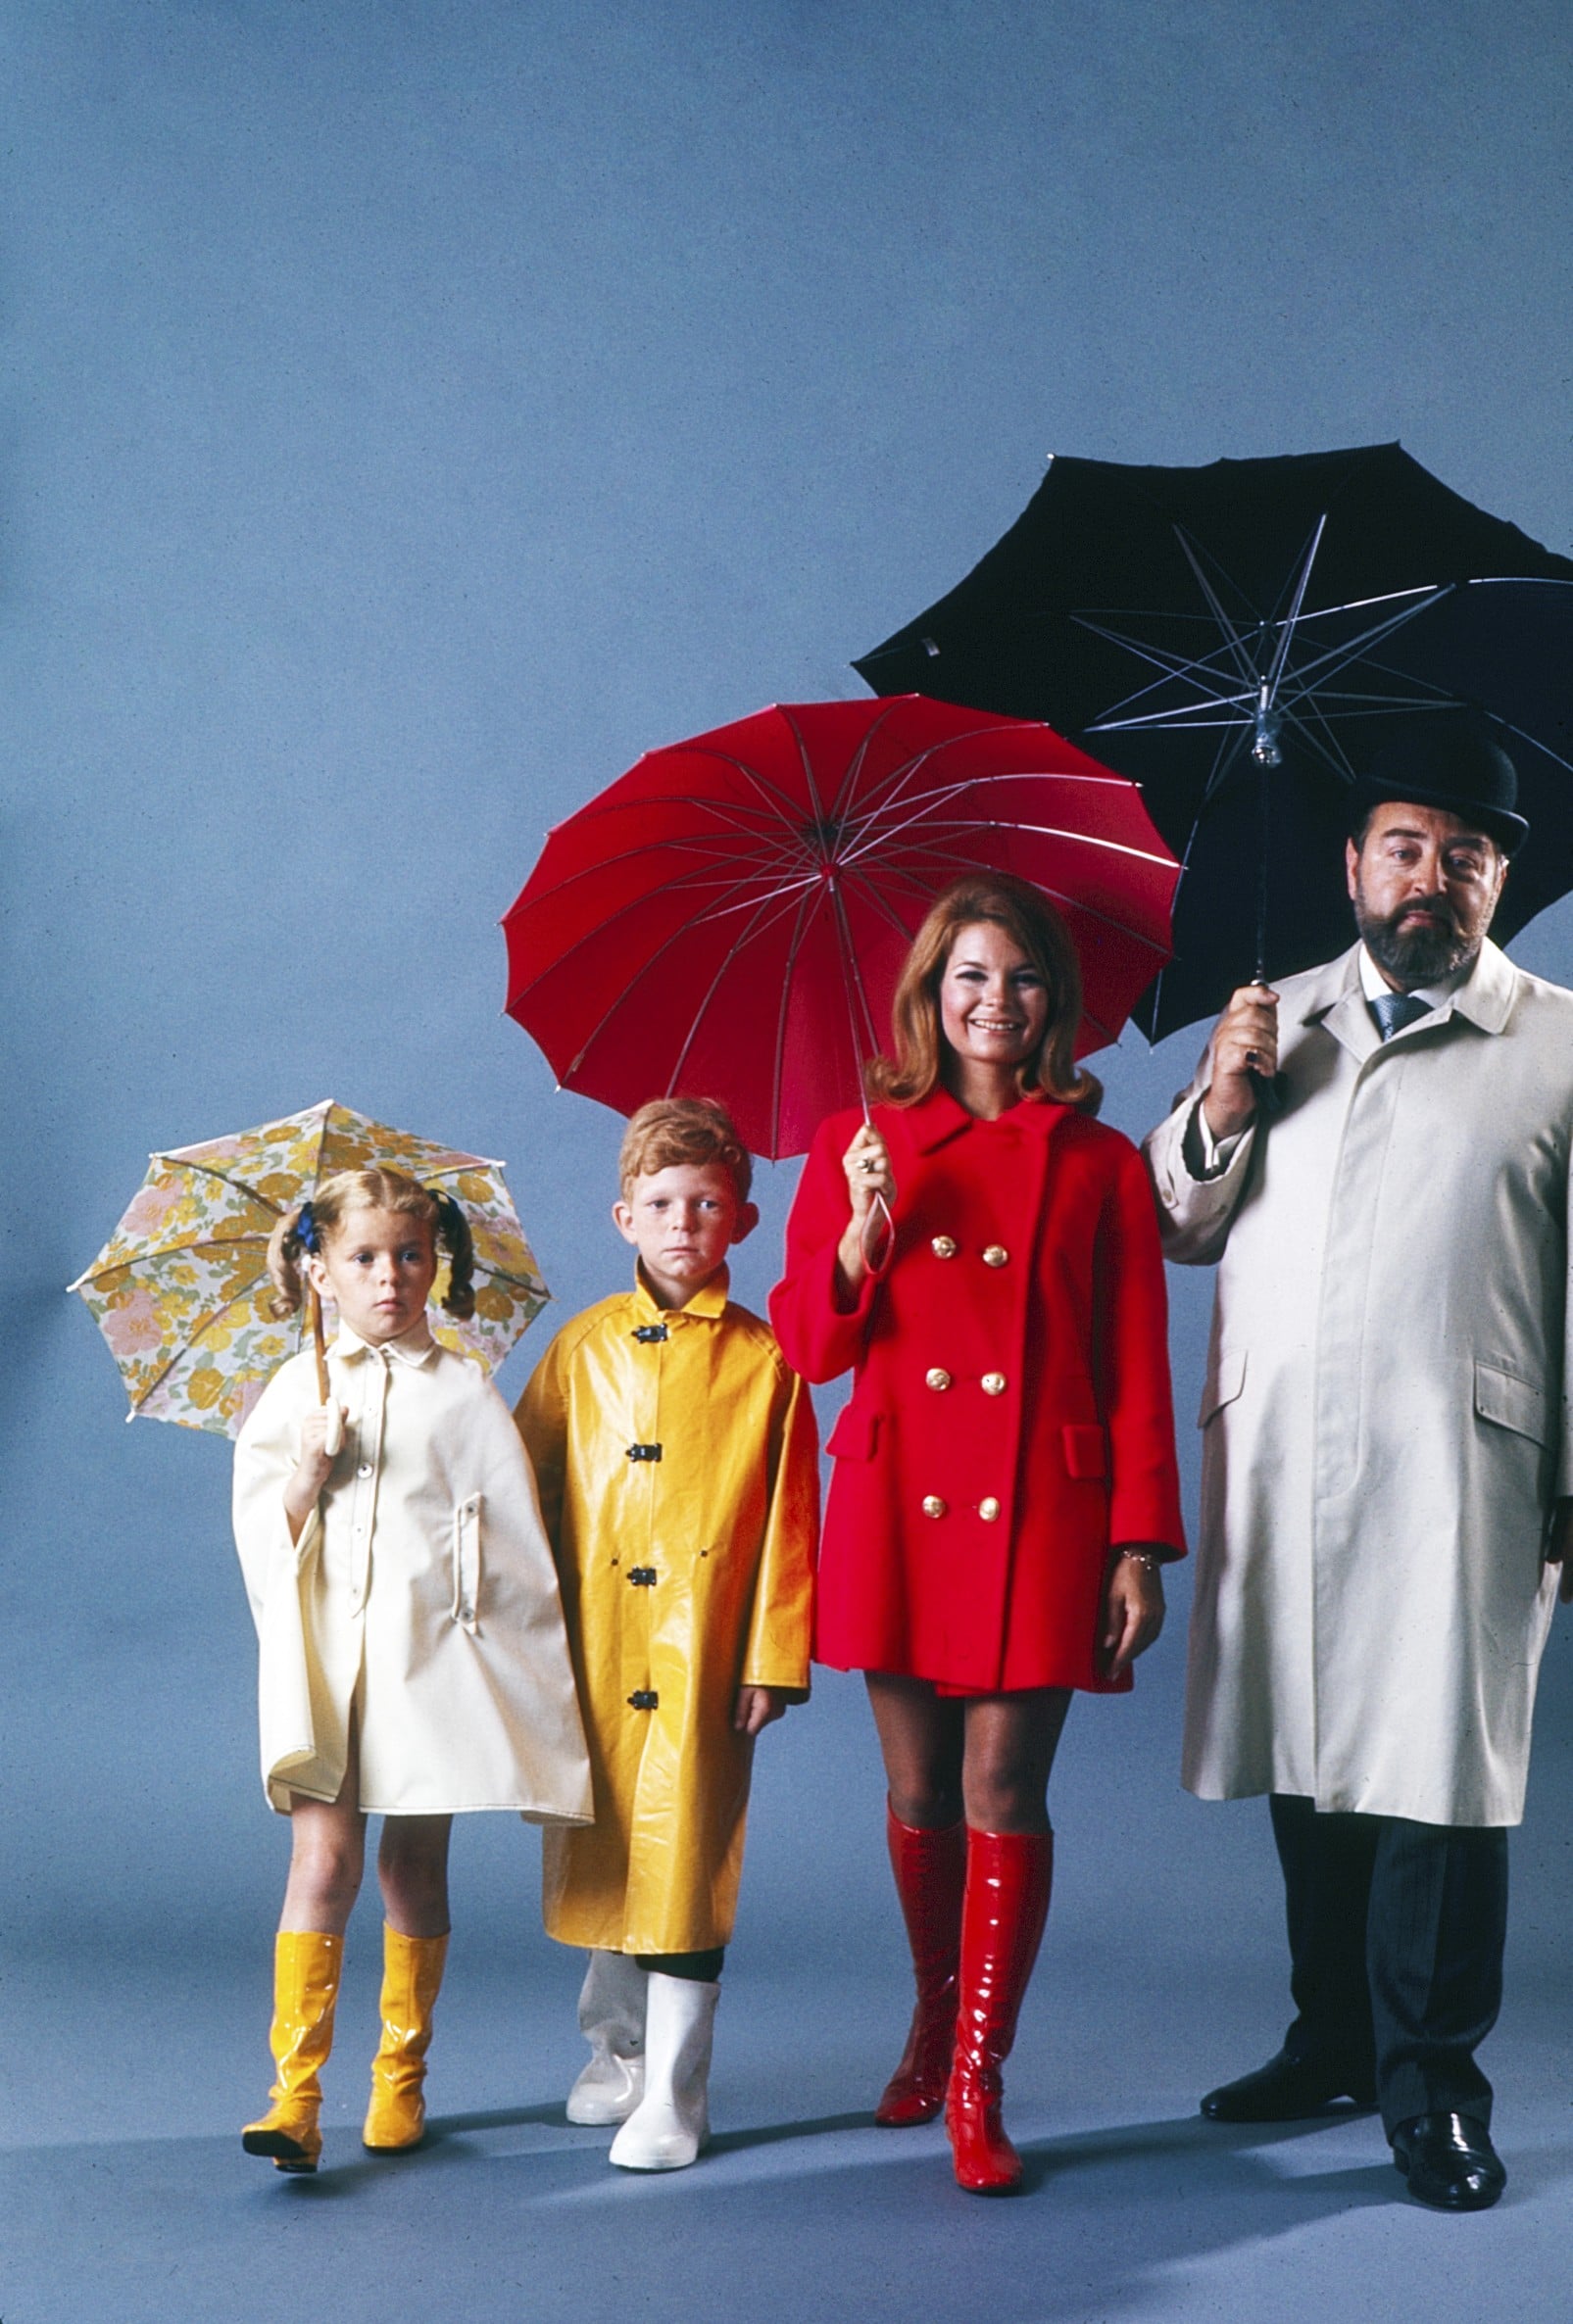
<point x="677" y="1463"/>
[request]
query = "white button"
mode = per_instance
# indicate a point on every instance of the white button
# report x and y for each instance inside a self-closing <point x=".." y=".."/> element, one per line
<point x="364" y="1470"/>
<point x="989" y="1510"/>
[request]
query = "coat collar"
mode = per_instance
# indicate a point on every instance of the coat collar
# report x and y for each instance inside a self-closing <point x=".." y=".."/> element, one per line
<point x="710" y="1303"/>
<point x="1334" y="996"/>
<point x="939" y="1117"/>
<point x="414" y="1347"/>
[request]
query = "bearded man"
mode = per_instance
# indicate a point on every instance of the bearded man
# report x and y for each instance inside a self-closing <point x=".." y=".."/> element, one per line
<point x="1388" y="1454"/>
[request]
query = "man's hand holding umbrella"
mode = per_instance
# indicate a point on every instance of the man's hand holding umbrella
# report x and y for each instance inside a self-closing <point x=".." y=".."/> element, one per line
<point x="1245" y="1057"/>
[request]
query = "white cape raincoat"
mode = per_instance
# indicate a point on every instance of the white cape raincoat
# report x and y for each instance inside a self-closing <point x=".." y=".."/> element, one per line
<point x="421" y="1591"/>
<point x="1385" y="1420"/>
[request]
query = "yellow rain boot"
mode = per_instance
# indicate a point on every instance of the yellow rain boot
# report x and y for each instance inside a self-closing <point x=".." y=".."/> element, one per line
<point x="412" y="1975"/>
<point x="306" y="1986"/>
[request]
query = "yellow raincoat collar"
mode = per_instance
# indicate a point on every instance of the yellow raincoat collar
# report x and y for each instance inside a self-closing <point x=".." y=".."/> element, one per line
<point x="711" y="1302"/>
<point x="415" y="1346"/>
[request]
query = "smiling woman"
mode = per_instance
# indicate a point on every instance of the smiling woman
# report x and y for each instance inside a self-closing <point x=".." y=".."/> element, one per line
<point x="1005" y="1487"/>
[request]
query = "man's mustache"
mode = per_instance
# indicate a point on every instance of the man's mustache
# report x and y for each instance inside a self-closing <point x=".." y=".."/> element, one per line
<point x="1439" y="913"/>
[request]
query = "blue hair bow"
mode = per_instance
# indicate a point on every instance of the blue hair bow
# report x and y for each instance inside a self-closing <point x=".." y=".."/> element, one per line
<point x="306" y="1228"/>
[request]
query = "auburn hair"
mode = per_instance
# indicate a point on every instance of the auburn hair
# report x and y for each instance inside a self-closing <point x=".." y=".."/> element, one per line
<point x="1025" y="915"/>
<point x="371" y="1189"/>
<point x="678" y="1130"/>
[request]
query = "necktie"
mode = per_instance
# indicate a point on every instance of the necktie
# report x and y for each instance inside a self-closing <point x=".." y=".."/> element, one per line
<point x="1394" y="1010"/>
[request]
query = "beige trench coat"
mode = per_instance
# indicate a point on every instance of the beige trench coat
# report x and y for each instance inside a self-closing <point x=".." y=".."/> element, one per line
<point x="422" y="1589"/>
<point x="1386" y="1422"/>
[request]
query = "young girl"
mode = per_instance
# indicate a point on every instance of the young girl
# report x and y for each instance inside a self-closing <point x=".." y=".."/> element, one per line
<point x="414" y="1663"/>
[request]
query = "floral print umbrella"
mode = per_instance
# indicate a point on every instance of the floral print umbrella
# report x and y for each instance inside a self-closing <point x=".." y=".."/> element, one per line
<point x="182" y="1291"/>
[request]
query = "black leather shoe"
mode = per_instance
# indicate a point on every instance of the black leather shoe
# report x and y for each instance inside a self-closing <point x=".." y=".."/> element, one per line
<point x="1449" y="2161"/>
<point x="1286" y="2090"/>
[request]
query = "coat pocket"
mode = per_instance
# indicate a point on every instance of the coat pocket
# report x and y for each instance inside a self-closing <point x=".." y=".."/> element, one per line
<point x="1223" y="1384"/>
<point x="467" y="1560"/>
<point x="1086" y="1452"/>
<point x="854" y="1435"/>
<point x="1512" y="1403"/>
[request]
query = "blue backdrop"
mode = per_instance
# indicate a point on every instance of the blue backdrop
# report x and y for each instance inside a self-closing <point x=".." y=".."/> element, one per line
<point x="412" y="412"/>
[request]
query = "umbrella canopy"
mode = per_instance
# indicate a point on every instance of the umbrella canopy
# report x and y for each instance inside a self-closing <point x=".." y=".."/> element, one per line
<point x="729" y="918"/>
<point x="1242" y="639"/>
<point x="182" y="1291"/>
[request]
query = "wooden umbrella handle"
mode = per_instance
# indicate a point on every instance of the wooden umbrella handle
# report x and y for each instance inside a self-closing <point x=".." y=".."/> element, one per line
<point x="325" y="1395"/>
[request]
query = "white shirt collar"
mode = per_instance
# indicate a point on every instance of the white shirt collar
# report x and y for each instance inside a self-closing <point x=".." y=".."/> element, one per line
<point x="415" y="1346"/>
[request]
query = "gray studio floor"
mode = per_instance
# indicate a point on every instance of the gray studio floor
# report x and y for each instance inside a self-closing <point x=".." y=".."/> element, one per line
<point x="134" y="2049"/>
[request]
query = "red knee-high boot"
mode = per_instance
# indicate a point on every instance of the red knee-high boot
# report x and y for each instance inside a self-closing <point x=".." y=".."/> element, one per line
<point x="1008" y="1881"/>
<point x="930" y="1868"/>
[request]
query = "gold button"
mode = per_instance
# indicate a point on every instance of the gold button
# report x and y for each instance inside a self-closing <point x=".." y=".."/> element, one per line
<point x="933" y="1506"/>
<point x="994" y="1384"/>
<point x="938" y="1378"/>
<point x="989" y="1510"/>
<point x="996" y="1256"/>
<point x="942" y="1246"/>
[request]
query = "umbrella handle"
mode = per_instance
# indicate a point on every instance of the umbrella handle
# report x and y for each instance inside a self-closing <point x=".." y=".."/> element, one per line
<point x="876" y="1246"/>
<point x="334" y="1437"/>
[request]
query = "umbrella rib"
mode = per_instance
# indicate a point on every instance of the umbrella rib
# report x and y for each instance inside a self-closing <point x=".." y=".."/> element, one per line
<point x="1198" y="669"/>
<point x="778" y="1057"/>
<point x="605" y="1019"/>
<point x="1244" y="661"/>
<point x="206" y="1324"/>
<point x="1286" y="638"/>
<point x="1077" y="903"/>
<point x="743" y="937"/>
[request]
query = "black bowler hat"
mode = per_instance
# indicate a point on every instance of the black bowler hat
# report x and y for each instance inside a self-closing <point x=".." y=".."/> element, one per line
<point x="1450" y="760"/>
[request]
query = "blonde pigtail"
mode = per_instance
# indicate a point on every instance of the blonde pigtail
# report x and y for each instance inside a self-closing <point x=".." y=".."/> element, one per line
<point x="285" y="1251"/>
<point x="453" y="1229"/>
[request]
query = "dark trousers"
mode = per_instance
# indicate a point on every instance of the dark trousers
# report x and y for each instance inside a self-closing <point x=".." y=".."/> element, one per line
<point x="699" y="1969"/>
<point x="1396" y="1936"/>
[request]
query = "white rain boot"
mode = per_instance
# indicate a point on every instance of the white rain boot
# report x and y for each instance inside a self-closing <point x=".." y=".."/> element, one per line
<point x="612" y="2020"/>
<point x="672" y="2123"/>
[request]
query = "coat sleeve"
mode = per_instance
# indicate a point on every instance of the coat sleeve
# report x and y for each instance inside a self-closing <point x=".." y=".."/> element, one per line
<point x="781" y="1627"/>
<point x="1195" y="1207"/>
<point x="266" y="1452"/>
<point x="541" y="1418"/>
<point x="1562" y="1490"/>
<point x="1139" y="1408"/>
<point x="818" y="1336"/>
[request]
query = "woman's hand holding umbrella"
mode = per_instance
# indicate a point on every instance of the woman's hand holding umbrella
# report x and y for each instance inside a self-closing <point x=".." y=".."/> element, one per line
<point x="871" y="1190"/>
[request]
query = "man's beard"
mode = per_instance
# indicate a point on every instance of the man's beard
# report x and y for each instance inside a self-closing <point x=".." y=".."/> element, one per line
<point x="1414" y="955"/>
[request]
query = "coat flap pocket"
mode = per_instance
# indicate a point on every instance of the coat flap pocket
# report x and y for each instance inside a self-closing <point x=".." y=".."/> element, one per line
<point x="854" y="1435"/>
<point x="1224" y="1384"/>
<point x="466" y="1559"/>
<point x="1512" y="1403"/>
<point x="1086" y="1453"/>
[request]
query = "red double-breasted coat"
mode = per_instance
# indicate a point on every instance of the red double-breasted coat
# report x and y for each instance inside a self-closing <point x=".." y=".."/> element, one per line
<point x="1010" y="1414"/>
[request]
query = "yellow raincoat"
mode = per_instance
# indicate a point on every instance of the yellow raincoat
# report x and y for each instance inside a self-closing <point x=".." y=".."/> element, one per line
<point x="676" y="1458"/>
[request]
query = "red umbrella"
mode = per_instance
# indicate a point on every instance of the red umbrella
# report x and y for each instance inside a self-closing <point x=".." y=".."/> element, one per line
<point x="728" y="919"/>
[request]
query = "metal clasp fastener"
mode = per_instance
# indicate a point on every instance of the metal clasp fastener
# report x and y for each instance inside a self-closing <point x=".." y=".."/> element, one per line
<point x="643" y="1577"/>
<point x="644" y="1698"/>
<point x="646" y="1333"/>
<point x="644" y="1452"/>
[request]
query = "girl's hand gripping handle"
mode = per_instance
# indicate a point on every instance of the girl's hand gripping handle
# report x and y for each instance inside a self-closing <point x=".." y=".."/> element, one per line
<point x="315" y="1464"/>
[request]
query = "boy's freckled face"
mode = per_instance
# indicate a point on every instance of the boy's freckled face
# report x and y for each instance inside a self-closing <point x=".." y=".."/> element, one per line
<point x="682" y="1221"/>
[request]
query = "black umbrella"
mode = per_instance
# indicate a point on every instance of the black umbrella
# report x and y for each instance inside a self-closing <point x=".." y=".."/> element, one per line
<point x="1241" y="638"/>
